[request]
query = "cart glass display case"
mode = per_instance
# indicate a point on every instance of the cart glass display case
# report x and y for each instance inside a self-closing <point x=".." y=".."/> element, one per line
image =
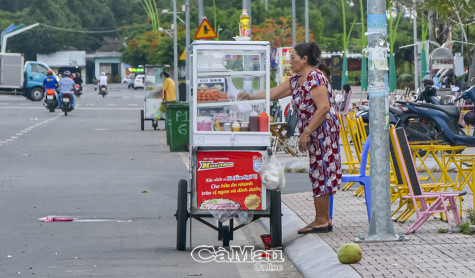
<point x="220" y="71"/>
<point x="153" y="88"/>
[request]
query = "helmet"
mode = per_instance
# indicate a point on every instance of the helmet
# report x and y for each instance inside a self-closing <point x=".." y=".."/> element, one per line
<point x="73" y="75"/>
<point x="103" y="73"/>
<point x="50" y="72"/>
<point x="67" y="73"/>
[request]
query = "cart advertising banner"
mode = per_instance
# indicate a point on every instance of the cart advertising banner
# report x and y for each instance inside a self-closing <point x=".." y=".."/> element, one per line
<point x="229" y="180"/>
<point x="286" y="71"/>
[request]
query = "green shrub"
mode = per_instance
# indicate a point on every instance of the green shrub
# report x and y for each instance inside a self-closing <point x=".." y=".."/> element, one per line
<point x="405" y="77"/>
<point x="471" y="216"/>
<point x="465" y="228"/>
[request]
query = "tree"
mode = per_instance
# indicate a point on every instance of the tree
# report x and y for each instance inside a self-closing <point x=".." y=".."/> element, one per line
<point x="277" y="33"/>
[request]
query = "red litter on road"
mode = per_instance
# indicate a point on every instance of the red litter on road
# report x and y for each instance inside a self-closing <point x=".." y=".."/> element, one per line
<point x="266" y="240"/>
<point x="57" y="219"/>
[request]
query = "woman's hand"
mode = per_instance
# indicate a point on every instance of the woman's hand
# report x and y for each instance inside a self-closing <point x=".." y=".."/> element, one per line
<point x="243" y="96"/>
<point x="303" y="141"/>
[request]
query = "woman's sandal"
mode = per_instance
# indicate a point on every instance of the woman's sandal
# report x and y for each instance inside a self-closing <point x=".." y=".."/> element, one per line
<point x="313" y="230"/>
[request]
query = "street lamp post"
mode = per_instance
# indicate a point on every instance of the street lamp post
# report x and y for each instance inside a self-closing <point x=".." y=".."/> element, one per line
<point x="307" y="37"/>
<point x="175" y="49"/>
<point x="294" y="23"/>
<point x="175" y="39"/>
<point x="416" y="74"/>
<point x="13" y="33"/>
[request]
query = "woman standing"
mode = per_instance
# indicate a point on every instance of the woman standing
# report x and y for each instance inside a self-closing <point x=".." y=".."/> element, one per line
<point x="312" y="101"/>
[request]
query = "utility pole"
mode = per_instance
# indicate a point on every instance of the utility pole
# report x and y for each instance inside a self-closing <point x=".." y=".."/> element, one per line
<point x="381" y="226"/>
<point x="187" y="68"/>
<point x="200" y="11"/>
<point x="416" y="63"/>
<point x="175" y="49"/>
<point x="294" y="32"/>
<point x="307" y="38"/>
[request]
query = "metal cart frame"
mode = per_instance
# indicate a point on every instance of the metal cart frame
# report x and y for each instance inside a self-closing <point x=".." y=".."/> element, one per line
<point x="151" y="101"/>
<point x="226" y="141"/>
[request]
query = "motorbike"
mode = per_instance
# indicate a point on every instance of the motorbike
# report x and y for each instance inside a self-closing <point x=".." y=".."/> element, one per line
<point x="50" y="102"/>
<point x="103" y="90"/>
<point x="426" y="121"/>
<point x="77" y="90"/>
<point x="66" y="104"/>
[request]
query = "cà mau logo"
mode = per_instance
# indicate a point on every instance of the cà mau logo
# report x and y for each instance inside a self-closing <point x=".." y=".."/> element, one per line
<point x="235" y="254"/>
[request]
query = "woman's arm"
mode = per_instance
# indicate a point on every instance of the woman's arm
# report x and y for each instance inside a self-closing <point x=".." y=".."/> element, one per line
<point x="278" y="92"/>
<point x="320" y="99"/>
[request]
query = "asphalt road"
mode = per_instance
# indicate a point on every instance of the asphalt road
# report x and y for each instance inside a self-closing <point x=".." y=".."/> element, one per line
<point x="117" y="182"/>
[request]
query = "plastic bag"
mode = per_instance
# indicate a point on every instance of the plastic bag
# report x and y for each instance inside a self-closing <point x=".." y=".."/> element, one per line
<point x="223" y="215"/>
<point x="272" y="174"/>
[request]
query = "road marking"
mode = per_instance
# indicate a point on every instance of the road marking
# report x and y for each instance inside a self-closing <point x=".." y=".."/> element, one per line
<point x="13" y="138"/>
<point x="185" y="158"/>
<point x="90" y="104"/>
<point x="133" y="104"/>
<point x="111" y="104"/>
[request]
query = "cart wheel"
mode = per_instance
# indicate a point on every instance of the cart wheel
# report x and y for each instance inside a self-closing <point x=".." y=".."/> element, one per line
<point x="142" y="120"/>
<point x="154" y="124"/>
<point x="226" y="235"/>
<point x="181" y="215"/>
<point x="275" y="219"/>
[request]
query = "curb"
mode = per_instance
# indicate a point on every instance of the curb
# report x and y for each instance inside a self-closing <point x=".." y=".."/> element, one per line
<point x="310" y="254"/>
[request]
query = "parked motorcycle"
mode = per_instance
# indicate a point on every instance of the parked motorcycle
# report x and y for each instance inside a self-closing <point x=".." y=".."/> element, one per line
<point x="66" y="104"/>
<point x="50" y="101"/>
<point x="425" y="121"/>
<point x="77" y="90"/>
<point x="103" y="90"/>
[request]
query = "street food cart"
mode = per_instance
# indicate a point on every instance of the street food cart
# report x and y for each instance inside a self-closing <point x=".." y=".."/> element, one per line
<point x="441" y="63"/>
<point x="153" y="87"/>
<point x="225" y="156"/>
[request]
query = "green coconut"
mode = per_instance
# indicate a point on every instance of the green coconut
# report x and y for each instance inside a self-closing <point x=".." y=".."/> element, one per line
<point x="349" y="253"/>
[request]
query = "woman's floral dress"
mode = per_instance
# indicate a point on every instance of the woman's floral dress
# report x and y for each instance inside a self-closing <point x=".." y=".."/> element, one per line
<point x="323" y="145"/>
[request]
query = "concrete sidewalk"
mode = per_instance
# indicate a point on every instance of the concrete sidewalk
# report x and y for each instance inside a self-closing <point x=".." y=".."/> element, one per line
<point x="426" y="253"/>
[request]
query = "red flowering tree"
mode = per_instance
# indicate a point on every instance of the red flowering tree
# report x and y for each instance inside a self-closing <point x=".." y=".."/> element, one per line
<point x="278" y="33"/>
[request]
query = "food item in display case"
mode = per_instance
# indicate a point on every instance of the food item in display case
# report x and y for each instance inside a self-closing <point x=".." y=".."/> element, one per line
<point x="221" y="204"/>
<point x="206" y="96"/>
<point x="203" y="123"/>
<point x="244" y="126"/>
<point x="203" y="87"/>
<point x="217" y="126"/>
<point x="216" y="88"/>
<point x="253" y="121"/>
<point x="227" y="127"/>
<point x="236" y="127"/>
<point x="222" y="96"/>
<point x="263" y="122"/>
<point x="252" y="201"/>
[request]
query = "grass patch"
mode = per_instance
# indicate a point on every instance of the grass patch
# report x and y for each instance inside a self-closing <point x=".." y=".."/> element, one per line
<point x="465" y="228"/>
<point x="442" y="231"/>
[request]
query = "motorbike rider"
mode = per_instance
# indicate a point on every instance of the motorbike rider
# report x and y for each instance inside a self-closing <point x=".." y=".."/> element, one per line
<point x="50" y="82"/>
<point x="66" y="85"/>
<point x="102" y="81"/>
<point x="78" y="80"/>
